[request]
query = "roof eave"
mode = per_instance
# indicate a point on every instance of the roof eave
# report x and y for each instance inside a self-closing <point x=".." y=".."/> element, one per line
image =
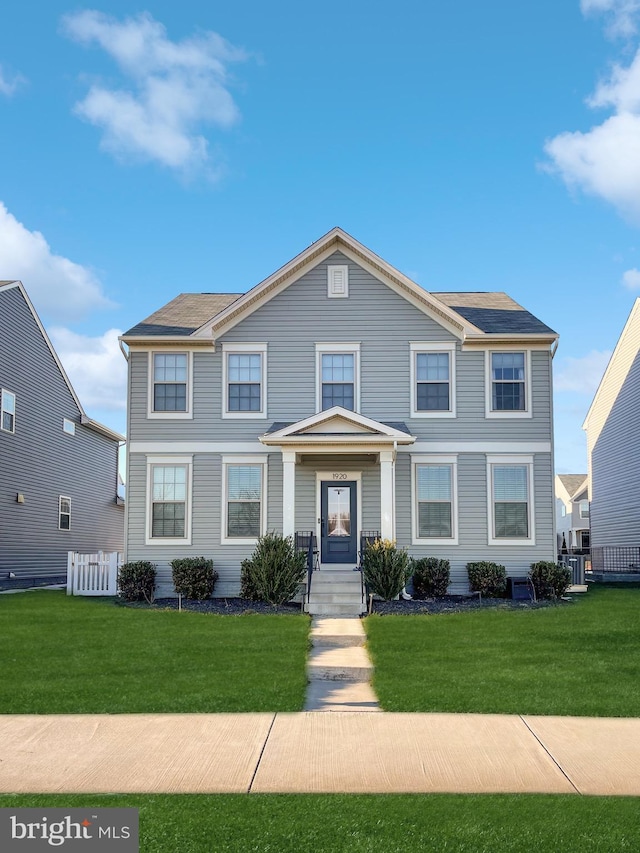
<point x="96" y="426"/>
<point x="165" y="340"/>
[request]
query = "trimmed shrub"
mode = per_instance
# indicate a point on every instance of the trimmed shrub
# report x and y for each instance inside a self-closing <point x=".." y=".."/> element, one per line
<point x="386" y="568"/>
<point x="430" y="577"/>
<point x="275" y="570"/>
<point x="487" y="578"/>
<point x="550" y="580"/>
<point x="194" y="577"/>
<point x="137" y="581"/>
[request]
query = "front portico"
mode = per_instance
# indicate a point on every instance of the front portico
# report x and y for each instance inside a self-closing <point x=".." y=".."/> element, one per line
<point x="338" y="445"/>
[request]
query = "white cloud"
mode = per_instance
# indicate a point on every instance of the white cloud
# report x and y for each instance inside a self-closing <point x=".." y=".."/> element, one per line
<point x="9" y="86"/>
<point x="171" y="88"/>
<point x="631" y="279"/>
<point x="95" y="366"/>
<point x="581" y="375"/>
<point x="58" y="287"/>
<point x="605" y="161"/>
<point x="622" y="14"/>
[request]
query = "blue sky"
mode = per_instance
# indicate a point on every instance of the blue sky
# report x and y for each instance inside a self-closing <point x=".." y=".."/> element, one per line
<point x="153" y="149"/>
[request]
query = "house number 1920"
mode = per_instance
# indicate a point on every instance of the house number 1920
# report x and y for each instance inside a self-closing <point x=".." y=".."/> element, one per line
<point x="338" y="476"/>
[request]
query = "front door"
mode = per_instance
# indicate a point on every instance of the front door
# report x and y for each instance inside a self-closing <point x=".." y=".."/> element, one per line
<point x="338" y="526"/>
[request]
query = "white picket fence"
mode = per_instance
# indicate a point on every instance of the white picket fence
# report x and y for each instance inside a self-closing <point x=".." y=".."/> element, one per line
<point x="93" y="574"/>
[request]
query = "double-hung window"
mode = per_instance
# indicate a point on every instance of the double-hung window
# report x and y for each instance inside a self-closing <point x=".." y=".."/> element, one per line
<point x="244" y="380"/>
<point x="169" y="512"/>
<point x="432" y="380"/>
<point x="244" y="515"/>
<point x="510" y="487"/>
<point x="508" y="384"/>
<point x="584" y="509"/>
<point x="170" y="385"/>
<point x="338" y="382"/>
<point x="7" y="411"/>
<point x="434" y="505"/>
<point x="64" y="513"/>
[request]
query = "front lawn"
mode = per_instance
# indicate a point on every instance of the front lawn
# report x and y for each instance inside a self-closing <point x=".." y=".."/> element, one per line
<point x="578" y="659"/>
<point x="73" y="655"/>
<point x="255" y="823"/>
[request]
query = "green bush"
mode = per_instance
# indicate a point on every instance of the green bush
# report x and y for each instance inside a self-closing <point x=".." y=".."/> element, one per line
<point x="550" y="580"/>
<point x="275" y="570"/>
<point x="487" y="578"/>
<point x="386" y="568"/>
<point x="430" y="577"/>
<point x="136" y="581"/>
<point x="194" y="577"/>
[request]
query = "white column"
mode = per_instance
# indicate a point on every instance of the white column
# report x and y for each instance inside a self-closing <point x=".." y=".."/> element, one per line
<point x="288" y="492"/>
<point x="387" y="494"/>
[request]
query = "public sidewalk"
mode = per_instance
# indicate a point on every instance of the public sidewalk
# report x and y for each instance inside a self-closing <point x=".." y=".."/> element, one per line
<point x="311" y="752"/>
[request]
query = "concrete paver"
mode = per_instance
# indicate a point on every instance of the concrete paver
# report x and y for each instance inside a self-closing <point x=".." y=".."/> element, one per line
<point x="341" y="696"/>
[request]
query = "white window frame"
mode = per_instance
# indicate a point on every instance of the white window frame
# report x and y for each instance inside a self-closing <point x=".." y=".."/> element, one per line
<point x="508" y="413"/>
<point x="169" y="461"/>
<point x="338" y="348"/>
<point x="581" y="504"/>
<point x="434" y="459"/>
<point x="4" y="410"/>
<point x="419" y="348"/>
<point x="151" y="413"/>
<point x="61" y="513"/>
<point x="253" y="460"/>
<point x="500" y="460"/>
<point x="244" y="349"/>
<point x="68" y="426"/>
<point x="338" y="281"/>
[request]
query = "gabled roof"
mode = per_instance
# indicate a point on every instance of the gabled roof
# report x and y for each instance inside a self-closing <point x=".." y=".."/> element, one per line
<point x="573" y="483"/>
<point x="468" y="316"/>
<point x="337" y="425"/>
<point x="85" y="420"/>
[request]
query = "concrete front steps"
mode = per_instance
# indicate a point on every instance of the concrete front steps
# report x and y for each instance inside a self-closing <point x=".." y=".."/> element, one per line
<point x="335" y="592"/>
<point x="339" y="668"/>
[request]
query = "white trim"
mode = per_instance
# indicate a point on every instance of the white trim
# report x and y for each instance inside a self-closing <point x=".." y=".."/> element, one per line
<point x="60" y="513"/>
<point x="168" y="446"/>
<point x="247" y="349"/>
<point x="510" y="459"/>
<point x="338" y="285"/>
<point x="339" y="348"/>
<point x="488" y="384"/>
<point x="328" y="476"/>
<point x="434" y="459"/>
<point x="254" y="460"/>
<point x="186" y="415"/>
<point x="169" y="460"/>
<point x="415" y="348"/>
<point x="376" y="429"/>
<point x="68" y="426"/>
<point x="487" y="446"/>
<point x="4" y="391"/>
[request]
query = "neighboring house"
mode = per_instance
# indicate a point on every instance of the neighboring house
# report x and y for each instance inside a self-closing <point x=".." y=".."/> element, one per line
<point x="572" y="513"/>
<point x="612" y="425"/>
<point x="338" y="396"/>
<point x="59" y="467"/>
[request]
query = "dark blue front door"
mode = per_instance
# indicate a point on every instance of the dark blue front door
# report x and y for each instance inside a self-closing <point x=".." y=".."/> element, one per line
<point x="338" y="530"/>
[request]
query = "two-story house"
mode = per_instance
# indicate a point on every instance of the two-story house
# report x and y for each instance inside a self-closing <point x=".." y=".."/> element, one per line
<point x="338" y="396"/>
<point x="59" y="468"/>
<point x="572" y="513"/>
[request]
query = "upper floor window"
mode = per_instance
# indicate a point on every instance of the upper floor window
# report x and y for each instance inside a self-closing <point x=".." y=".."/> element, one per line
<point x="64" y="513"/>
<point x="169" y="503"/>
<point x="584" y="509"/>
<point x="432" y="380"/>
<point x="68" y="426"/>
<point x="244" y="380"/>
<point x="170" y="386"/>
<point x="7" y="411"/>
<point x="511" y="499"/>
<point x="434" y="499"/>
<point x="508" y="384"/>
<point x="338" y="376"/>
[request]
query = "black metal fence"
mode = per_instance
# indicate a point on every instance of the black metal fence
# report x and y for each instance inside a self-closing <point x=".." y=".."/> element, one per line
<point x="618" y="559"/>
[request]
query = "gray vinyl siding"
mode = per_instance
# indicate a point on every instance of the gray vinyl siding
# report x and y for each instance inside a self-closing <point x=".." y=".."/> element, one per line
<point x="42" y="462"/>
<point x="615" y="469"/>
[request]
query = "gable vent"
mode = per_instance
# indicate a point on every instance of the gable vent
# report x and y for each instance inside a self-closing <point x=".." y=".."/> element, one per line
<point x="337" y="281"/>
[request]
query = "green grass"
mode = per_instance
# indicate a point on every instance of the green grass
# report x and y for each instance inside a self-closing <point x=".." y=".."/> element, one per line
<point x="370" y="824"/>
<point x="72" y="655"/>
<point x="578" y="659"/>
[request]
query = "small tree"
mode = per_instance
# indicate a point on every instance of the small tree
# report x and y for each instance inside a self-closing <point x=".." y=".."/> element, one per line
<point x="194" y="577"/>
<point x="275" y="570"/>
<point x="136" y="581"/>
<point x="430" y="577"/>
<point x="487" y="578"/>
<point x="550" y="580"/>
<point x="386" y="568"/>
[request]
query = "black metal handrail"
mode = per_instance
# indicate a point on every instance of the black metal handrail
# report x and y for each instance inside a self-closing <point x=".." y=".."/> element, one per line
<point x="305" y="540"/>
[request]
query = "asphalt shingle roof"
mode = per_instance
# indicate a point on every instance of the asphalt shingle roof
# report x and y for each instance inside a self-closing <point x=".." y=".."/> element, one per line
<point x="573" y="482"/>
<point x="184" y="314"/>
<point x="494" y="313"/>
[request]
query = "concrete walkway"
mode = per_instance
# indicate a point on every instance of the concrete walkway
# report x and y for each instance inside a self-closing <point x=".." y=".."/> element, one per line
<point x="319" y="753"/>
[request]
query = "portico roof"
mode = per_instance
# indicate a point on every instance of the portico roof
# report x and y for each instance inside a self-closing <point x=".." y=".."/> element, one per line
<point x="337" y="426"/>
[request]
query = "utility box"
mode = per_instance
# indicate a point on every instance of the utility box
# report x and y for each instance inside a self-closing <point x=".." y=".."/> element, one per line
<point x="520" y="588"/>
